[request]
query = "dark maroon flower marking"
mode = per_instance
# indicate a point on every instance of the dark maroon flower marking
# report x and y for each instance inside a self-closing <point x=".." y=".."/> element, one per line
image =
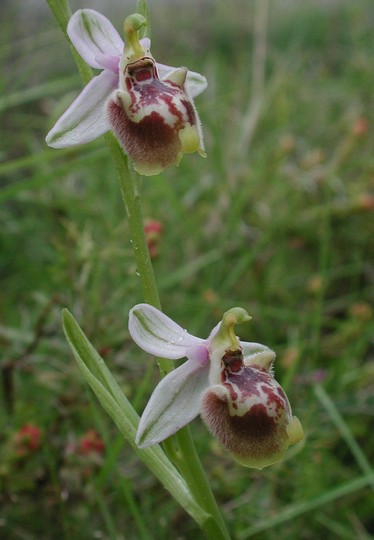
<point x="148" y="141"/>
<point x="255" y="434"/>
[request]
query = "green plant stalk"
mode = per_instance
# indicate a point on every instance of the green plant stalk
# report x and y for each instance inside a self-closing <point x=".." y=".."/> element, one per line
<point x="62" y="13"/>
<point x="186" y="457"/>
<point x="345" y="432"/>
<point x="193" y="472"/>
<point x="130" y="184"/>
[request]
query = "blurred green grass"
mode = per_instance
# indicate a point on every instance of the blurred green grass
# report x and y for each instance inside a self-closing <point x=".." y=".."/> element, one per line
<point x="283" y="227"/>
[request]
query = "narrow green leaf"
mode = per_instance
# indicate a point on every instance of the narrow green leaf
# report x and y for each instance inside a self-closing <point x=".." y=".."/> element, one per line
<point x="39" y="179"/>
<point x="125" y="417"/>
<point x="190" y="269"/>
<point x="94" y="367"/>
<point x="50" y="88"/>
<point x="298" y="509"/>
<point x="344" y="430"/>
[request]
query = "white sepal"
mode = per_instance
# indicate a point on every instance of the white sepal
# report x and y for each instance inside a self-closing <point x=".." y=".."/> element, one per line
<point x="85" y="119"/>
<point x="159" y="335"/>
<point x="175" y="402"/>
<point x="92" y="34"/>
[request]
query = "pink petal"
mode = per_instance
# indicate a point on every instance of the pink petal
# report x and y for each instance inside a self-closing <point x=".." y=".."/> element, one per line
<point x="109" y="62"/>
<point x="159" y="335"/>
<point x="85" y="119"/>
<point x="92" y="35"/>
<point x="145" y="43"/>
<point x="174" y="403"/>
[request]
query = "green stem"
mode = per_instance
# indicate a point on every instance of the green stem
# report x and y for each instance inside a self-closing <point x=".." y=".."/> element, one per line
<point x="130" y="184"/>
<point x="183" y="453"/>
<point x="186" y="457"/>
<point x="190" y="466"/>
<point x="62" y="13"/>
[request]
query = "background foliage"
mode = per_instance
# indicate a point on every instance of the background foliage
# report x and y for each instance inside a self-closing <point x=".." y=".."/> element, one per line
<point x="278" y="219"/>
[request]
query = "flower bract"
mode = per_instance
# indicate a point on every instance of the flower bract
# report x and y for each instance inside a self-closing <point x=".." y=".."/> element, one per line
<point x="149" y="106"/>
<point x="230" y="383"/>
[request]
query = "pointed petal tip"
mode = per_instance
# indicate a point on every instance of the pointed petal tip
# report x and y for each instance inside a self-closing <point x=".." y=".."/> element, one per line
<point x="143" y="439"/>
<point x="174" y="403"/>
<point x="143" y="443"/>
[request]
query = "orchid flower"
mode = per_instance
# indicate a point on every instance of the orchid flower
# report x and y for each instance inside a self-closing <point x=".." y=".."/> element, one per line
<point x="230" y="383"/>
<point x="149" y="106"/>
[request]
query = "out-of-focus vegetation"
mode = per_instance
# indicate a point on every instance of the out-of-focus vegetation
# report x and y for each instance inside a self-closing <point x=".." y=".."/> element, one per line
<point x="279" y="219"/>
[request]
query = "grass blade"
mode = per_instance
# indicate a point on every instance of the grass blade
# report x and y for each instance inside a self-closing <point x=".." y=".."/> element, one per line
<point x="298" y="509"/>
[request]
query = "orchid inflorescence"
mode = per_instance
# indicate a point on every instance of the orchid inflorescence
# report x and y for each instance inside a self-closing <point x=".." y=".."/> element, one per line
<point x="149" y="108"/>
